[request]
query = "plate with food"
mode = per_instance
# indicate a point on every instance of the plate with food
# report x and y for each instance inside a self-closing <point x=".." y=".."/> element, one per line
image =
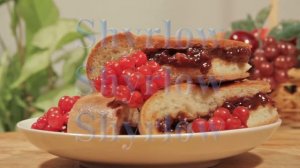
<point x="160" y="101"/>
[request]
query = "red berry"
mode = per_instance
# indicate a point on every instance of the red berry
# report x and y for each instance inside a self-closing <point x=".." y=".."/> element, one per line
<point x="49" y="128"/>
<point x="242" y="113"/>
<point x="245" y="37"/>
<point x="66" y="103"/>
<point x="108" y="91"/>
<point x="291" y="60"/>
<point x="159" y="77"/>
<point x="108" y="76"/>
<point x="97" y="83"/>
<point x="125" y="75"/>
<point x="126" y="63"/>
<point x="140" y="58"/>
<point x="281" y="75"/>
<point x="259" y="52"/>
<point x="266" y="69"/>
<point x="216" y="124"/>
<point x="260" y="33"/>
<point x="41" y="123"/>
<point x="281" y="62"/>
<point x="75" y="98"/>
<point x="223" y="113"/>
<point x="34" y="126"/>
<point x="66" y="118"/>
<point x="148" y="89"/>
<point x="145" y="70"/>
<point x="56" y="121"/>
<point x="268" y="41"/>
<point x="200" y="125"/>
<point x="257" y="60"/>
<point x="255" y="74"/>
<point x="53" y="110"/>
<point x="154" y="66"/>
<point x="136" y="80"/>
<point x="122" y="93"/>
<point x="136" y="99"/>
<point x="233" y="123"/>
<point x="243" y="126"/>
<point x="271" y="52"/>
<point x="114" y="66"/>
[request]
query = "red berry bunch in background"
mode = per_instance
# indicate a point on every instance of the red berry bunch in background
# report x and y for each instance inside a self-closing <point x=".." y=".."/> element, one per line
<point x="272" y="61"/>
<point x="223" y="119"/>
<point x="132" y="79"/>
<point x="56" y="118"/>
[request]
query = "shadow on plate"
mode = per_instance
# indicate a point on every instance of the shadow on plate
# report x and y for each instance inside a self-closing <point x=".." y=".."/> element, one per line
<point x="246" y="160"/>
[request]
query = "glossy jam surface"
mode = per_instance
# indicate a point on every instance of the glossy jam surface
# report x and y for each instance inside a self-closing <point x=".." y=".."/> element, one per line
<point x="197" y="56"/>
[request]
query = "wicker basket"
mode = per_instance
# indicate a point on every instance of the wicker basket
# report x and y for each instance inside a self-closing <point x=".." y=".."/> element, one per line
<point x="287" y="99"/>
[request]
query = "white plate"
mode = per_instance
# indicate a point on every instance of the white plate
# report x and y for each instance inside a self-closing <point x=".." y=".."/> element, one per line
<point x="204" y="148"/>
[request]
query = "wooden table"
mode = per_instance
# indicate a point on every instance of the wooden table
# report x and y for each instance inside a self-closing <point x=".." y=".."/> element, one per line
<point x="282" y="150"/>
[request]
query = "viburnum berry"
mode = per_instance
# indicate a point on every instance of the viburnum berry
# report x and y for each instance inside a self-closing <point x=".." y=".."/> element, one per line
<point x="108" y="76"/>
<point x="148" y="89"/>
<point x="114" y="65"/>
<point x="66" y="103"/>
<point x="56" y="121"/>
<point x="136" y="80"/>
<point x="233" y="122"/>
<point x="41" y="123"/>
<point x="222" y="112"/>
<point x="200" y="125"/>
<point x="122" y="93"/>
<point x="216" y="124"/>
<point x="140" y="58"/>
<point x="54" y="110"/>
<point x="136" y="99"/>
<point x="34" y="126"/>
<point x="145" y="70"/>
<point x="108" y="90"/>
<point x="97" y="83"/>
<point x="126" y="63"/>
<point x="242" y="113"/>
<point x="76" y="98"/>
<point x="124" y="77"/>
<point x="49" y="128"/>
<point x="160" y="77"/>
<point x="154" y="66"/>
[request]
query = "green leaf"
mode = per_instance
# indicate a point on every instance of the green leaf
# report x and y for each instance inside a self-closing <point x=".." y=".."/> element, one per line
<point x="3" y="1"/>
<point x="33" y="65"/>
<point x="37" y="14"/>
<point x="15" y="20"/>
<point x="262" y="16"/>
<point x="51" y="98"/>
<point x="4" y="65"/>
<point x="246" y="25"/>
<point x="73" y="61"/>
<point x="286" y="30"/>
<point x="57" y="35"/>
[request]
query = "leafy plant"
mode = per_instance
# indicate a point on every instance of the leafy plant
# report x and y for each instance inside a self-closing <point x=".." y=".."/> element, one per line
<point x="28" y="81"/>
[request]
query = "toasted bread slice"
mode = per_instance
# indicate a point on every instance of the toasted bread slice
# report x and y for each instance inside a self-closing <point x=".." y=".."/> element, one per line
<point x="113" y="47"/>
<point x="92" y="114"/>
<point x="195" y="102"/>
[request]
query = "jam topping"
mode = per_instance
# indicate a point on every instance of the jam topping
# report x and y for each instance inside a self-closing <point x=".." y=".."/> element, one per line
<point x="170" y="124"/>
<point x="197" y="56"/>
<point x="250" y="102"/>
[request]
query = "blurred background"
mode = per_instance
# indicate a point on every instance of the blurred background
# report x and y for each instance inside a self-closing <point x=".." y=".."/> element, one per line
<point x="41" y="53"/>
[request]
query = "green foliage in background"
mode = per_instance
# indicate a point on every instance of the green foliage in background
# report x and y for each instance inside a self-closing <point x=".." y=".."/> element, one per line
<point x="28" y="82"/>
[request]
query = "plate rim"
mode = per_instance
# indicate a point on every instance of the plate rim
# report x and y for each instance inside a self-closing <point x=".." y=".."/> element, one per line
<point x="21" y="127"/>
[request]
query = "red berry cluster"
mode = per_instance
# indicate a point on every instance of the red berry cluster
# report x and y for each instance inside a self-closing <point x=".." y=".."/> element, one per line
<point x="132" y="79"/>
<point x="223" y="119"/>
<point x="56" y="118"/>
<point x="272" y="61"/>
